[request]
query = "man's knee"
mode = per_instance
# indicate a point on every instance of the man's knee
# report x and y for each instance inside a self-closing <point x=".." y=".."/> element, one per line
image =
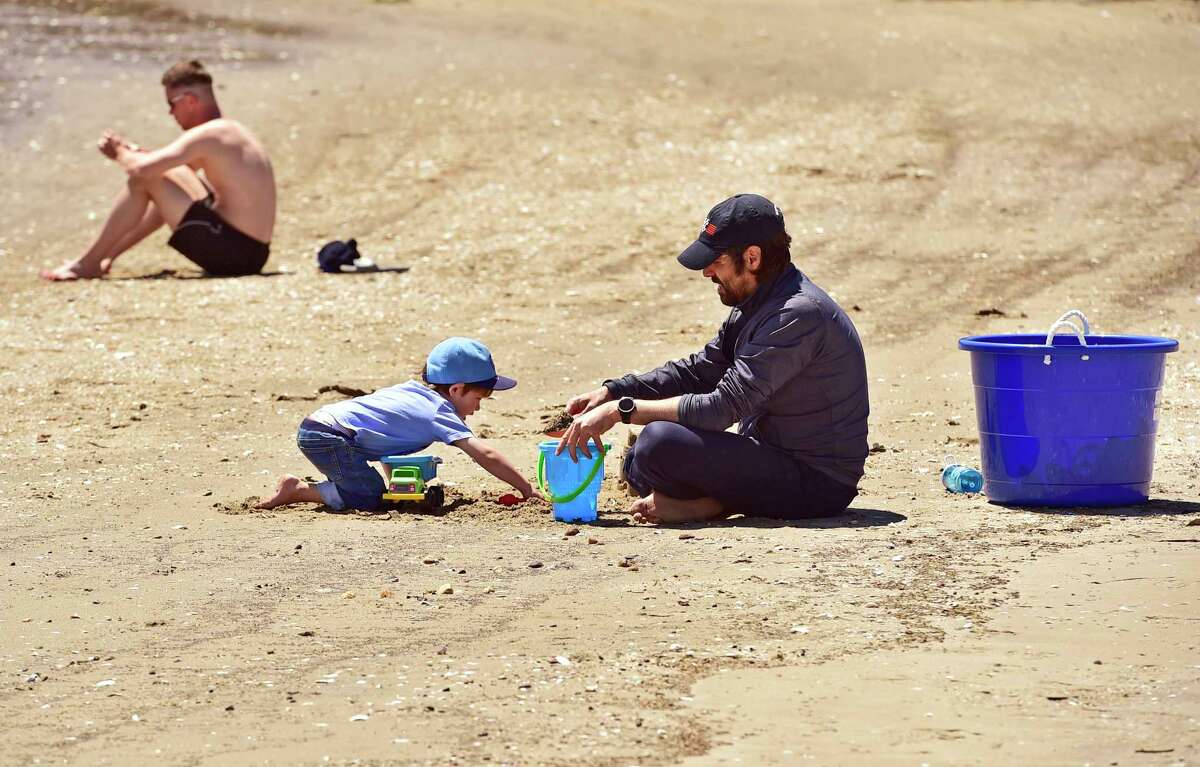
<point x="137" y="183"/>
<point x="661" y="443"/>
<point x="663" y="460"/>
<point x="181" y="177"/>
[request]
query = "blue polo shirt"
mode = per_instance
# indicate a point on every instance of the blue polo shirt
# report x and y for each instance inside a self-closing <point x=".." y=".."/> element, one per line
<point x="398" y="420"/>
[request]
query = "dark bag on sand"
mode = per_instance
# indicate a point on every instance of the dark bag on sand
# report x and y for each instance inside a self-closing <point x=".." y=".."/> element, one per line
<point x="336" y="257"/>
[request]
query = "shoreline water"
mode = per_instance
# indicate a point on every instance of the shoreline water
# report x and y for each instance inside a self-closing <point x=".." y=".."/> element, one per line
<point x="49" y="43"/>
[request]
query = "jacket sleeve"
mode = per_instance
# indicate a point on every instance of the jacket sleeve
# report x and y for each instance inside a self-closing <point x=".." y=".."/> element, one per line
<point x="695" y="374"/>
<point x="776" y="352"/>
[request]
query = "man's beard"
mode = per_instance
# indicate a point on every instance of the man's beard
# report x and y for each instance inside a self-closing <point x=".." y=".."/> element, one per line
<point x="725" y="293"/>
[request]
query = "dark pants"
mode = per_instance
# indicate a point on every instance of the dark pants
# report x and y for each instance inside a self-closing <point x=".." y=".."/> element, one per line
<point x="745" y="476"/>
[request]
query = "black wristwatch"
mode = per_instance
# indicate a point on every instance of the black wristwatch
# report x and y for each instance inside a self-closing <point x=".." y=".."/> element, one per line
<point x="626" y="407"/>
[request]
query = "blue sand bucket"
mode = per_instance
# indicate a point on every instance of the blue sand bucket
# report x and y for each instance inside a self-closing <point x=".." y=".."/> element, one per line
<point x="574" y="486"/>
<point x="1067" y="420"/>
<point x="426" y="463"/>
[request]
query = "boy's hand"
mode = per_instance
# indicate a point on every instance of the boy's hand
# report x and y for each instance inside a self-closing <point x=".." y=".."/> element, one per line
<point x="511" y="499"/>
<point x="533" y="493"/>
<point x="585" y="402"/>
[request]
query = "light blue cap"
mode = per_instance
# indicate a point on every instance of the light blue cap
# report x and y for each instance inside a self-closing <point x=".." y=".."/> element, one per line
<point x="464" y="360"/>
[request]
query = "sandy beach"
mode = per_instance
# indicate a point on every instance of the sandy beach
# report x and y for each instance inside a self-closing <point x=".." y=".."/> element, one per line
<point x="946" y="169"/>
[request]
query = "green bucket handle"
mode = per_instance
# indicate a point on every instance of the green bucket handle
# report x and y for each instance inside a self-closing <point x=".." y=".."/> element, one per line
<point x="541" y="478"/>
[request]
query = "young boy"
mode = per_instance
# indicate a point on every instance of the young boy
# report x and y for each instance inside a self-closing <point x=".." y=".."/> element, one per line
<point x="341" y="438"/>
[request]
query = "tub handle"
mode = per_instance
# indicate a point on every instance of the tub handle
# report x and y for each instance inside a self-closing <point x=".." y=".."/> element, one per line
<point x="1087" y="328"/>
<point x="1063" y="321"/>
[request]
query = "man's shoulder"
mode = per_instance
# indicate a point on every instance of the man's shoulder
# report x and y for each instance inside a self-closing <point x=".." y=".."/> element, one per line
<point x="222" y="129"/>
<point x="802" y="303"/>
<point x="797" y="311"/>
<point x="808" y="296"/>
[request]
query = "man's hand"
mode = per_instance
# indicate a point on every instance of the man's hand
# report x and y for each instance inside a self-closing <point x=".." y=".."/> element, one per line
<point x="111" y="142"/>
<point x="585" y="402"/>
<point x="588" y="427"/>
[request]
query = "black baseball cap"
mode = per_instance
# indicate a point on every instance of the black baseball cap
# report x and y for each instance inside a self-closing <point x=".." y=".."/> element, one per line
<point x="744" y="219"/>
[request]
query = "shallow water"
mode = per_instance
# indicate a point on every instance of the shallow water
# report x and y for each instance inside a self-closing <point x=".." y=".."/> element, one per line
<point x="47" y="42"/>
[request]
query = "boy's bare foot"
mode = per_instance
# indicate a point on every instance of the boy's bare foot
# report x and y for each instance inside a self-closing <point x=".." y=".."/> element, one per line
<point x="76" y="270"/>
<point x="285" y="493"/>
<point x="657" y="509"/>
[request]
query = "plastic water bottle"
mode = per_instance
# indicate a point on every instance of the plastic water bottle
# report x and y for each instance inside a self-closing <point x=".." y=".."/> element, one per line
<point x="958" y="478"/>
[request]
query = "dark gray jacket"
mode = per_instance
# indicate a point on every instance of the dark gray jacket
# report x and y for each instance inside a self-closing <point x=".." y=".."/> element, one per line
<point x="788" y="365"/>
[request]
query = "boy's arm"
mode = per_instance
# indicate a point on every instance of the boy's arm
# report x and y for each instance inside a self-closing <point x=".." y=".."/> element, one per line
<point x="497" y="465"/>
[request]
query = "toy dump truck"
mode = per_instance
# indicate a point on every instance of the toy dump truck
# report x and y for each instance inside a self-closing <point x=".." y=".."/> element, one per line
<point x="408" y="479"/>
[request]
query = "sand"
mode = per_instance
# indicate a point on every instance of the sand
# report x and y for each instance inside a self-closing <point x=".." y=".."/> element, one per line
<point x="946" y="169"/>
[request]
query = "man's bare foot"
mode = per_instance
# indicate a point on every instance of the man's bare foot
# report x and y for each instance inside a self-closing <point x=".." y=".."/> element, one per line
<point x="75" y="270"/>
<point x="285" y="493"/>
<point x="657" y="509"/>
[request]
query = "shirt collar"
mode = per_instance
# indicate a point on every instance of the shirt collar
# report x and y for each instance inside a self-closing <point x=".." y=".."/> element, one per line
<point x="764" y="291"/>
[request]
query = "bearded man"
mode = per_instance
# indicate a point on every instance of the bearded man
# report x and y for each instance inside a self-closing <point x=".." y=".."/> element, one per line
<point x="787" y="366"/>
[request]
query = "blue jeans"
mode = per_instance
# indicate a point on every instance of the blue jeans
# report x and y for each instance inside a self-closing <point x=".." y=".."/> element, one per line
<point x="745" y="476"/>
<point x="351" y="481"/>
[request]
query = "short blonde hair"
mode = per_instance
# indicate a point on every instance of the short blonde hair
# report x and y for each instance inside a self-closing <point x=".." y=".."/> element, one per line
<point x="184" y="73"/>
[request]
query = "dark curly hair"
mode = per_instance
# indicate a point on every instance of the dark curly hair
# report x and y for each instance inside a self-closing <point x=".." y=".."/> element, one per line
<point x="776" y="255"/>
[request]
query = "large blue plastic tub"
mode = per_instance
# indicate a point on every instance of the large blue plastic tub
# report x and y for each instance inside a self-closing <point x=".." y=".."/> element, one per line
<point x="1065" y="425"/>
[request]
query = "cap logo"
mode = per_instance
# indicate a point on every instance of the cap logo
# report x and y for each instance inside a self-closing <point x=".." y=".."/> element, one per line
<point x="710" y="229"/>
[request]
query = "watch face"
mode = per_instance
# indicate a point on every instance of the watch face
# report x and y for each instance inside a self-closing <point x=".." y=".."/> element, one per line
<point x="625" y="407"/>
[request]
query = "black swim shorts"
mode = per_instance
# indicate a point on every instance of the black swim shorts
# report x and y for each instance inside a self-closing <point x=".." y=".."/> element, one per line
<point x="215" y="246"/>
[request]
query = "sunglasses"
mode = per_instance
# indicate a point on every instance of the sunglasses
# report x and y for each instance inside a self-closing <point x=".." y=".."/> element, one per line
<point x="171" y="102"/>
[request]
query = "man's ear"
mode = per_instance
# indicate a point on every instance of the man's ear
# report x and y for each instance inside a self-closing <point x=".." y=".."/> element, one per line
<point x="458" y="389"/>
<point x="752" y="258"/>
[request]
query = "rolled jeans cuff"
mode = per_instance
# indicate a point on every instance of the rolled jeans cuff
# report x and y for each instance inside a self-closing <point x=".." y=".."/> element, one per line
<point x="331" y="496"/>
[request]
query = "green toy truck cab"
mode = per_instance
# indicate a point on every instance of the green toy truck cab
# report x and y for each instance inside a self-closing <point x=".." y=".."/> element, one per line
<point x="408" y="479"/>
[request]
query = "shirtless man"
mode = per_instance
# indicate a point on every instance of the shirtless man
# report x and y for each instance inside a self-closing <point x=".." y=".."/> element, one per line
<point x="213" y="186"/>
